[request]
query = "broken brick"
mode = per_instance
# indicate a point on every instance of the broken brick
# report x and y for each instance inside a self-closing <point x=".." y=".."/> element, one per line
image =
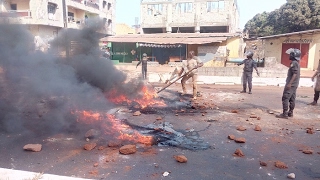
<point x="238" y="153"/>
<point x="307" y="151"/>
<point x="231" y="137"/>
<point x="33" y="147"/>
<point x="181" y="158"/>
<point x="280" y="165"/>
<point x="240" y="140"/>
<point x="263" y="163"/>
<point x="241" y="128"/>
<point x="89" y="146"/>
<point x="137" y="113"/>
<point x="128" y="149"/>
<point x="257" y="128"/>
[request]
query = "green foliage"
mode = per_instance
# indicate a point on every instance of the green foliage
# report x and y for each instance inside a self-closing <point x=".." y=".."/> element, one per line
<point x="295" y="15"/>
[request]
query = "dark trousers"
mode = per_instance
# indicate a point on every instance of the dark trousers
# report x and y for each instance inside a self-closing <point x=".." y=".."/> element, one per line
<point x="144" y="72"/>
<point x="289" y="99"/>
<point x="316" y="96"/>
<point x="247" y="78"/>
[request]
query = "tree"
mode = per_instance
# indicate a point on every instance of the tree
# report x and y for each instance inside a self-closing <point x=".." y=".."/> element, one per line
<point x="295" y="15"/>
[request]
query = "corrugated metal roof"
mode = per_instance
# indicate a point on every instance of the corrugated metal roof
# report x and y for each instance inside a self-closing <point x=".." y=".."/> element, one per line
<point x="289" y="34"/>
<point x="174" y="38"/>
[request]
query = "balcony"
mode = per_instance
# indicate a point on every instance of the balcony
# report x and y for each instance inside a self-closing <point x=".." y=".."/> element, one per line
<point x="29" y="17"/>
<point x="84" y="5"/>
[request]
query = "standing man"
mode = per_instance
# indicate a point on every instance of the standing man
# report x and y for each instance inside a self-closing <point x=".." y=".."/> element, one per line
<point x="107" y="54"/>
<point x="191" y="63"/>
<point x="292" y="83"/>
<point x="144" y="65"/>
<point x="249" y="64"/>
<point x="316" y="87"/>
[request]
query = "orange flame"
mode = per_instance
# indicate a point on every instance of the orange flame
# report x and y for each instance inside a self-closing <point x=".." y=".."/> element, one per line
<point x="113" y="126"/>
<point x="147" y="99"/>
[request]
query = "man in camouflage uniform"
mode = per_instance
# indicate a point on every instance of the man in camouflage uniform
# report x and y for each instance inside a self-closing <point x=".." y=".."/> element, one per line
<point x="192" y="62"/>
<point x="144" y="64"/>
<point x="292" y="83"/>
<point x="249" y="64"/>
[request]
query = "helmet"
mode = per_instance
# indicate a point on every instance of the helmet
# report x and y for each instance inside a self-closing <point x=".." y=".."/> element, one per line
<point x="249" y="54"/>
<point x="295" y="54"/>
<point x="144" y="55"/>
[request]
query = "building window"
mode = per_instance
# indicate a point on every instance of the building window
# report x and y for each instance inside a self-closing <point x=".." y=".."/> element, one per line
<point x="214" y="5"/>
<point x="13" y="7"/>
<point x="51" y="10"/>
<point x="184" y="7"/>
<point x="71" y="17"/>
<point x="154" y="9"/>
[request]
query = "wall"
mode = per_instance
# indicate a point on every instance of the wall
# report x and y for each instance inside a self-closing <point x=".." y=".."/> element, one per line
<point x="198" y="17"/>
<point x="235" y="46"/>
<point x="273" y="47"/>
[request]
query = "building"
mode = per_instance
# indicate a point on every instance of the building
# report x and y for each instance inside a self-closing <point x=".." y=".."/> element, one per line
<point x="189" y="16"/>
<point x="44" y="18"/>
<point x="172" y="28"/>
<point x="307" y="41"/>
<point x="122" y="29"/>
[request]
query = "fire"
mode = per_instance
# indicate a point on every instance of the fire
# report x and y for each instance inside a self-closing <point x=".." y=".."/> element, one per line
<point x="113" y="126"/>
<point x="148" y="98"/>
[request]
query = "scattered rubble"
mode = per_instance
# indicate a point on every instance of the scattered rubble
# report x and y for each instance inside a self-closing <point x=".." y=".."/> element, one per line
<point x="181" y="158"/>
<point x="238" y="153"/>
<point x="90" y="146"/>
<point x="280" y="165"/>
<point x="95" y="164"/>
<point x="137" y="113"/>
<point x="33" y="147"/>
<point x="307" y="151"/>
<point x="231" y="137"/>
<point x="128" y="149"/>
<point x="241" y="128"/>
<point x="310" y="130"/>
<point x="253" y="116"/>
<point x="291" y="176"/>
<point x="159" y="118"/>
<point x="263" y="163"/>
<point x="257" y="128"/>
<point x="234" y="111"/>
<point x="240" y="140"/>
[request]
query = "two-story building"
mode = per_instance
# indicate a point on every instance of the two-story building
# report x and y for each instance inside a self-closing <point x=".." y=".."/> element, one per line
<point x="45" y="18"/>
<point x="189" y="16"/>
<point x="172" y="28"/>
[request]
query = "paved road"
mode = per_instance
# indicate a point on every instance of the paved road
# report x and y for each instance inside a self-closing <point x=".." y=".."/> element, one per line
<point x="209" y="121"/>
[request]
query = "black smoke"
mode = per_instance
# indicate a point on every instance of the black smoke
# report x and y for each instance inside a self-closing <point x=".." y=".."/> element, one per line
<point x="40" y="90"/>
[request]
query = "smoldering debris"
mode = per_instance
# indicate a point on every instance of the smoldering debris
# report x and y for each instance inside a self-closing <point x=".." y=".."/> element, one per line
<point x="39" y="90"/>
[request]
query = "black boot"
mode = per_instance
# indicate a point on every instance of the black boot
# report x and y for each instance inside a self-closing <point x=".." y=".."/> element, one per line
<point x="284" y="115"/>
<point x="290" y="113"/>
<point x="313" y="103"/>
<point x="243" y="91"/>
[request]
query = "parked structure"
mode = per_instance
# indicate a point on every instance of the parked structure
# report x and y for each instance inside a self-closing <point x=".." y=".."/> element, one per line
<point x="307" y="41"/>
<point x="192" y="16"/>
<point x="45" y="18"/>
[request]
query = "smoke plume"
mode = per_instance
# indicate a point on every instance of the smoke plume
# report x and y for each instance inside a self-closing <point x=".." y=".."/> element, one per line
<point x="39" y="90"/>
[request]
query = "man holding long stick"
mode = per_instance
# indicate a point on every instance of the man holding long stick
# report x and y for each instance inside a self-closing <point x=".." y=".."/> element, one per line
<point x="190" y="67"/>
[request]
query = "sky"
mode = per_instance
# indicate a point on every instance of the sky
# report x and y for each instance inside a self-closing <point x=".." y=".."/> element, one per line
<point x="127" y="10"/>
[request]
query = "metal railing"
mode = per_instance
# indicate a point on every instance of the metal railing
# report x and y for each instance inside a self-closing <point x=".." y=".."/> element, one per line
<point x="87" y="3"/>
<point x="19" y="13"/>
